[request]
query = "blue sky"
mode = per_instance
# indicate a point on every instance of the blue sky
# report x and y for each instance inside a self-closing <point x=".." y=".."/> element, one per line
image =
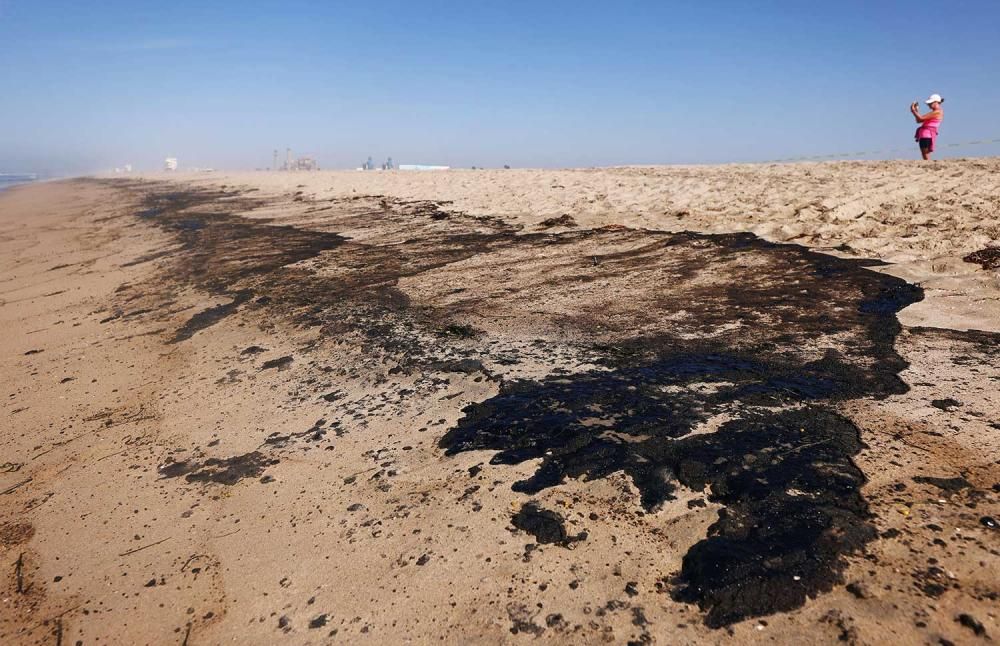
<point x="88" y="85"/>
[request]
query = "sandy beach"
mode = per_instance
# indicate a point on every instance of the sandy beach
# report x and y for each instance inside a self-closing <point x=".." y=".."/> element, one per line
<point x="674" y="405"/>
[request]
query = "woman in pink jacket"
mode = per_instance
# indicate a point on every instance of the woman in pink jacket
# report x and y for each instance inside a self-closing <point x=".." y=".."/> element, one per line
<point x="927" y="131"/>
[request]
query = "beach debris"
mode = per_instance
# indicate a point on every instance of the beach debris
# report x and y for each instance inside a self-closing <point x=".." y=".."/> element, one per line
<point x="19" y="575"/>
<point x="145" y="547"/>
<point x="14" y="487"/>
<point x="565" y="220"/>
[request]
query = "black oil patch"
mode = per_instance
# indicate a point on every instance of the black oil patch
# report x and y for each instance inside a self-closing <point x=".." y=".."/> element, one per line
<point x="793" y="508"/>
<point x="790" y="488"/>
<point x="222" y="253"/>
<point x="988" y="258"/>
<point x="945" y="484"/>
<point x="986" y="342"/>
<point x="280" y="363"/>
<point x="460" y="331"/>
<point x="312" y="434"/>
<point x="466" y="366"/>
<point x="972" y="624"/>
<point x="256" y="260"/>
<point x="209" y="317"/>
<point x="594" y="424"/>
<point x="780" y="461"/>
<point x="545" y="525"/>
<point x="945" y="404"/>
<point x="226" y="471"/>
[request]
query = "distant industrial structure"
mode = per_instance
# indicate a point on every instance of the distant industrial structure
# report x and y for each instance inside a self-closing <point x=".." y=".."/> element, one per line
<point x="302" y="163"/>
<point x="370" y="165"/>
<point x="391" y="165"/>
<point x="170" y="164"/>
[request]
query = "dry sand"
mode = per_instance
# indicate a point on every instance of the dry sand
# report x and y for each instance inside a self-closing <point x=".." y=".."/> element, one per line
<point x="503" y="406"/>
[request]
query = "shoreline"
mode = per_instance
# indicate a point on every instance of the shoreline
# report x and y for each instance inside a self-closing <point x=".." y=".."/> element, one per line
<point x="276" y="367"/>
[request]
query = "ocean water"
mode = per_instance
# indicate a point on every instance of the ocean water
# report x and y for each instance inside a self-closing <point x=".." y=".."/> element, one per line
<point x="13" y="179"/>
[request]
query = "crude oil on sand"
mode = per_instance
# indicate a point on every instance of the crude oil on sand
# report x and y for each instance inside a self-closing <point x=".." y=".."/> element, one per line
<point x="664" y="405"/>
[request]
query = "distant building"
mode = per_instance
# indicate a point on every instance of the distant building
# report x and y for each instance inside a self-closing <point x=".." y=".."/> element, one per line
<point x="304" y="163"/>
<point x="422" y="167"/>
<point x="170" y="163"/>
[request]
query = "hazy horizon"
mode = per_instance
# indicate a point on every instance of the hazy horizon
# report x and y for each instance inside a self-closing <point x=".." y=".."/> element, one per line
<point x="565" y="84"/>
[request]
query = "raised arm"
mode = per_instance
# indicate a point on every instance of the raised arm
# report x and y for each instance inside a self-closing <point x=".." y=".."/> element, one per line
<point x="933" y="114"/>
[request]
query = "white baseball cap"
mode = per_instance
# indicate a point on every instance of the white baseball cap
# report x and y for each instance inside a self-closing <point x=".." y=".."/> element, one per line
<point x="934" y="98"/>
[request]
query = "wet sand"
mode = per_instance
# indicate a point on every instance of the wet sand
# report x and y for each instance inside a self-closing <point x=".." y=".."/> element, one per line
<point x="315" y="408"/>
